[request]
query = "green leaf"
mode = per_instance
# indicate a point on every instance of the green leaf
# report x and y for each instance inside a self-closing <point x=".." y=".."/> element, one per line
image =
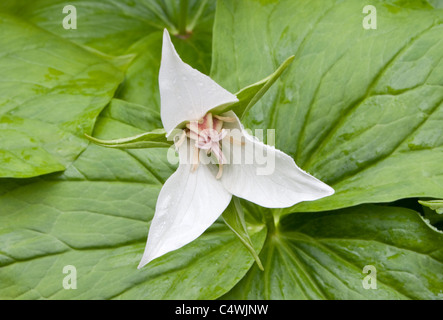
<point x="433" y="212"/>
<point x="251" y="94"/>
<point x="436" y="205"/>
<point x="359" y="109"/>
<point x="234" y="218"/>
<point x="51" y="92"/>
<point x="110" y="26"/>
<point x="95" y="216"/>
<point x="129" y="27"/>
<point x="322" y="256"/>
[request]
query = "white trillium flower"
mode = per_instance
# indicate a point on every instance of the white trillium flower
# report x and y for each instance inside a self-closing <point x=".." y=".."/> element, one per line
<point x="194" y="197"/>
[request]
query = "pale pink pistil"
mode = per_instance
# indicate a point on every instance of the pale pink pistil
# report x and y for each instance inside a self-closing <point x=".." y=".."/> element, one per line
<point x="207" y="134"/>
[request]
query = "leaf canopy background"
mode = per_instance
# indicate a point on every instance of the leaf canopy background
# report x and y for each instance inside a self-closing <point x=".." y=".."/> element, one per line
<point x="359" y="109"/>
<point x="51" y="92"/>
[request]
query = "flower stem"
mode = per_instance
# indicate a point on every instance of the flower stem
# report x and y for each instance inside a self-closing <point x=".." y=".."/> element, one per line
<point x="197" y="16"/>
<point x="183" y="17"/>
<point x="235" y="219"/>
<point x="269" y="220"/>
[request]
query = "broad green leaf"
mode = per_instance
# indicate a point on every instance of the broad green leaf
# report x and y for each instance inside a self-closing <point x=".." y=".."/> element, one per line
<point x="51" y="92"/>
<point x="95" y="217"/>
<point x="323" y="255"/>
<point x="129" y="27"/>
<point x="111" y="26"/>
<point x="359" y="109"/>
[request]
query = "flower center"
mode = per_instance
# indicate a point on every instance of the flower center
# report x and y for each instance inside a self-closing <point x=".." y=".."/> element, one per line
<point x="207" y="134"/>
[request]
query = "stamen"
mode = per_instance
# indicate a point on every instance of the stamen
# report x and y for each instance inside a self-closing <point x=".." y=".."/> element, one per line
<point x="192" y="135"/>
<point x="208" y="118"/>
<point x="225" y="119"/>
<point x="217" y="124"/>
<point x="236" y="141"/>
<point x="207" y="134"/>
<point x="204" y="145"/>
<point x="193" y="126"/>
<point x="220" y="171"/>
<point x="195" y="159"/>
<point x="180" y="141"/>
<point x="222" y="134"/>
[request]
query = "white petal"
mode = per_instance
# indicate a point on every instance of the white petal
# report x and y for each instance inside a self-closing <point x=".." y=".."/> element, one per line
<point x="268" y="176"/>
<point x="188" y="204"/>
<point x="186" y="94"/>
